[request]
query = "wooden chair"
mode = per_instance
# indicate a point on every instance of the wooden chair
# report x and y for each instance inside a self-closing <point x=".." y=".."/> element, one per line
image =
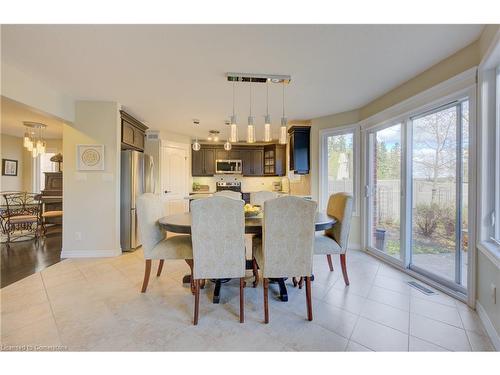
<point x="218" y="232"/>
<point x="286" y="246"/>
<point x="49" y="215"/>
<point x="335" y="240"/>
<point x="154" y="243"/>
<point x="21" y="216"/>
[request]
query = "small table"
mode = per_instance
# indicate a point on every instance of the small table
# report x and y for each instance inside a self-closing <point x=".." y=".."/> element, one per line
<point x="181" y="223"/>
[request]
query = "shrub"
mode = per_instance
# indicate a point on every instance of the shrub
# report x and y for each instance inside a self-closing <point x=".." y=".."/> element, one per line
<point x="427" y="218"/>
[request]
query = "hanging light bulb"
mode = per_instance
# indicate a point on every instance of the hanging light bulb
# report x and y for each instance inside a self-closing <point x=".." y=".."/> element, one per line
<point x="284" y="121"/>
<point x="30" y="144"/>
<point x="250" y="127"/>
<point x="26" y="138"/>
<point x="196" y="145"/>
<point x="267" y="119"/>
<point x="227" y="146"/>
<point x="234" y="127"/>
<point x="34" y="152"/>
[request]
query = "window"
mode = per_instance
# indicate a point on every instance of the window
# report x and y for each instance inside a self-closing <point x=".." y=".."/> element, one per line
<point x="338" y="162"/>
<point x="43" y="164"/>
<point x="496" y="213"/>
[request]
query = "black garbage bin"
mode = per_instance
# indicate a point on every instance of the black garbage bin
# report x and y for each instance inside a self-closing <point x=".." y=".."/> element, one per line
<point x="380" y="239"/>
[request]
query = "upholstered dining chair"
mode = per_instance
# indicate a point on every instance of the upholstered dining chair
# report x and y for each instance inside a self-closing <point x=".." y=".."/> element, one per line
<point x="228" y="194"/>
<point x="218" y="230"/>
<point x="335" y="240"/>
<point x="259" y="197"/>
<point x="286" y="246"/>
<point x="154" y="243"/>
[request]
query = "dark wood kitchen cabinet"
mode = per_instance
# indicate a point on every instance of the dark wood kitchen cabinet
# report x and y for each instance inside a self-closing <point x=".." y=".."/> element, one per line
<point x="203" y="162"/>
<point x="253" y="162"/>
<point x="133" y="132"/>
<point x="300" y="149"/>
<point x="275" y="160"/>
<point x="233" y="154"/>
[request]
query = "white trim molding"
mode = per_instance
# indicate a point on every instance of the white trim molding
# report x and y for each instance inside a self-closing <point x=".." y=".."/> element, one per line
<point x="90" y="253"/>
<point x="488" y="326"/>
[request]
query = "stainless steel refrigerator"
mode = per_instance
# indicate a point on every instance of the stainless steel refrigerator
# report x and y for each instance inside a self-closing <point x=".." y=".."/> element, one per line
<point x="136" y="178"/>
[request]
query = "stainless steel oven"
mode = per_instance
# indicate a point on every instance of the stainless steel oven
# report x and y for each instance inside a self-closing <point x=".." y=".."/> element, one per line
<point x="228" y="167"/>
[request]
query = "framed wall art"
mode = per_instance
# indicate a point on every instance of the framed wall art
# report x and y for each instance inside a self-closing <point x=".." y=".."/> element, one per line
<point x="9" y="167"/>
<point x="90" y="157"/>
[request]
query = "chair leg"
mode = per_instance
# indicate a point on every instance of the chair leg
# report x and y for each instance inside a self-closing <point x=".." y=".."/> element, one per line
<point x="265" y="283"/>
<point x="308" y="298"/>
<point x="242" y="300"/>
<point x="190" y="264"/>
<point x="202" y="284"/>
<point x="295" y="282"/>
<point x="147" y="272"/>
<point x="196" y="301"/>
<point x="301" y="282"/>
<point x="255" y="273"/>
<point x="329" y="259"/>
<point x="160" y="267"/>
<point x="344" y="268"/>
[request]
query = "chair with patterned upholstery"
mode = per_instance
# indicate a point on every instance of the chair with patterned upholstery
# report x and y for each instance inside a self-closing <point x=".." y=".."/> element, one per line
<point x="20" y="216"/>
<point x="259" y="197"/>
<point x="228" y="194"/>
<point x="286" y="246"/>
<point x="335" y="240"/>
<point x="218" y="230"/>
<point x="154" y="243"/>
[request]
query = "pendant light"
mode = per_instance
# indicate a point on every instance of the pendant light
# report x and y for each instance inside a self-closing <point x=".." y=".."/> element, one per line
<point x="284" y="121"/>
<point x="267" y="120"/>
<point x="196" y="145"/>
<point x="234" y="127"/>
<point x="250" y="127"/>
<point x="26" y="139"/>
<point x="227" y="144"/>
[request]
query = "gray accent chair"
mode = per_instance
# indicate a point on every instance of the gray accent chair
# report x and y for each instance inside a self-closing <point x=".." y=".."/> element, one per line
<point x="154" y="243"/>
<point x="228" y="194"/>
<point x="218" y="237"/>
<point x="335" y="240"/>
<point x="287" y="243"/>
<point x="259" y="197"/>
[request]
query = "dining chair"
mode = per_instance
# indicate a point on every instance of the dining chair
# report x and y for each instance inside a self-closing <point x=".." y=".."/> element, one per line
<point x="154" y="243"/>
<point x="335" y="239"/>
<point x="228" y="194"/>
<point x="218" y="230"/>
<point x="259" y="197"/>
<point x="286" y="246"/>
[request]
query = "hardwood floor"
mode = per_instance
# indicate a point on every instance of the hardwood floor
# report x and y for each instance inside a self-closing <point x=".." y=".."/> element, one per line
<point x="25" y="258"/>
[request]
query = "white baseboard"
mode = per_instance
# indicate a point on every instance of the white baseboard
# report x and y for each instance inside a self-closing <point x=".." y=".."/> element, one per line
<point x="488" y="325"/>
<point x="90" y="253"/>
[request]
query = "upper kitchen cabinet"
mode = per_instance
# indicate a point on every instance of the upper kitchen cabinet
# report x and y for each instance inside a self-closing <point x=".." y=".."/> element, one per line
<point x="300" y="149"/>
<point x="253" y="161"/>
<point x="274" y="160"/>
<point x="133" y="132"/>
<point x="203" y="162"/>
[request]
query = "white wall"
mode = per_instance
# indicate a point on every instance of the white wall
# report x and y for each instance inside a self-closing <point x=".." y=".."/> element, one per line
<point x="91" y="200"/>
<point x="12" y="148"/>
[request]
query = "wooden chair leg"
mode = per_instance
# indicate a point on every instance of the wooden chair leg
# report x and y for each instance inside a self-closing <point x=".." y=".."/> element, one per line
<point x="308" y="298"/>
<point x="255" y="273"/>
<point x="329" y="259"/>
<point x="147" y="272"/>
<point x="196" y="301"/>
<point x="160" y="267"/>
<point x="202" y="284"/>
<point x="265" y="283"/>
<point x="295" y="282"/>
<point x="242" y="300"/>
<point x="344" y="268"/>
<point x="190" y="264"/>
<point x="301" y="282"/>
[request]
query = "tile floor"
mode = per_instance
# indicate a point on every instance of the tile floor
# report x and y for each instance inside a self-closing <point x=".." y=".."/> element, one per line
<point x="95" y="304"/>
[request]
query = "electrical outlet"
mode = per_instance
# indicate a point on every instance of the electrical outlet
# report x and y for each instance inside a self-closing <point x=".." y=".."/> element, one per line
<point x="493" y="289"/>
<point x="78" y="236"/>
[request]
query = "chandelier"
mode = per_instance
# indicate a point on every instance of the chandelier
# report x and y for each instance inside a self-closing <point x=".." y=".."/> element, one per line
<point x="33" y="139"/>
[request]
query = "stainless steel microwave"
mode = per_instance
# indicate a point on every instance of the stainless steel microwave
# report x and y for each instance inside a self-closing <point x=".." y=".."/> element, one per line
<point x="228" y="167"/>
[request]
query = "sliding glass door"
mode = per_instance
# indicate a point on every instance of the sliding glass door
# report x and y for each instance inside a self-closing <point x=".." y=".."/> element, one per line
<point x="384" y="208"/>
<point x="440" y="192"/>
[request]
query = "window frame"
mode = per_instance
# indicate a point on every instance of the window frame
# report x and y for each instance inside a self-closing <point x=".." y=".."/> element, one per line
<point x="353" y="129"/>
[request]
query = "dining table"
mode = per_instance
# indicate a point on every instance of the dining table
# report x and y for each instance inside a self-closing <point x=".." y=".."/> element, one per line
<point x="181" y="223"/>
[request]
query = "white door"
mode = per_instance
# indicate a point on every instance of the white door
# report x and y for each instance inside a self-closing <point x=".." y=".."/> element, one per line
<point x="174" y="182"/>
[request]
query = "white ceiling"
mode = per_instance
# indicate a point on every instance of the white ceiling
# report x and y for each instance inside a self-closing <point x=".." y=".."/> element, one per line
<point x="14" y="113"/>
<point x="169" y="74"/>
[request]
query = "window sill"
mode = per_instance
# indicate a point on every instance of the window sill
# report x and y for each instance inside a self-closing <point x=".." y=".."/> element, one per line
<point x="491" y="250"/>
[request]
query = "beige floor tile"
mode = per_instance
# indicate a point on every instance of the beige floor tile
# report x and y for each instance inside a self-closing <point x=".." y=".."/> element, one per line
<point x="392" y="284"/>
<point x="15" y="301"/>
<point x="480" y="343"/>
<point x="379" y="337"/>
<point x="345" y="300"/>
<point x="419" y="345"/>
<point x="41" y="335"/>
<point x="14" y="320"/>
<point x="387" y="315"/>
<point x="436" y="311"/>
<point x="388" y="297"/>
<point x="442" y="334"/>
<point x="438" y="297"/>
<point x="353" y="346"/>
<point x="359" y="287"/>
<point x="333" y="318"/>
<point x="471" y="320"/>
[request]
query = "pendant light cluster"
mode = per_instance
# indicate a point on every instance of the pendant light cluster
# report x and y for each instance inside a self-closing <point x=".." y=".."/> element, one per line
<point x="33" y="139"/>
<point x="258" y="78"/>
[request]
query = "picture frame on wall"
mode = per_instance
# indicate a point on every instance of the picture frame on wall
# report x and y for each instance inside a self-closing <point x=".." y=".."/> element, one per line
<point x="9" y="167"/>
<point x="90" y="157"/>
